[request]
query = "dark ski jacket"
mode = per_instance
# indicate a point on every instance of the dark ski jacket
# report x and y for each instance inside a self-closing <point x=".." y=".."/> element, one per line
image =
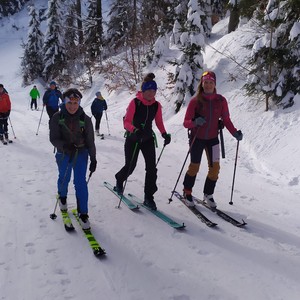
<point x="67" y="130"/>
<point x="98" y="106"/>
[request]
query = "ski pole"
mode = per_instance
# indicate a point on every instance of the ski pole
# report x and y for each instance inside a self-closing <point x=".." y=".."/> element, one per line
<point x="236" y="157"/>
<point x="221" y="126"/>
<point x="107" y="123"/>
<point x="133" y="155"/>
<point x="40" y="121"/>
<point x="53" y="216"/>
<point x="12" y="129"/>
<point x="89" y="177"/>
<point x="161" y="152"/>
<point x="222" y="143"/>
<point x="187" y="155"/>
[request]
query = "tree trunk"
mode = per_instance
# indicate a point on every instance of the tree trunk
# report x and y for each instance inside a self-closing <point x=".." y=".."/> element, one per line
<point x="234" y="18"/>
<point x="79" y="22"/>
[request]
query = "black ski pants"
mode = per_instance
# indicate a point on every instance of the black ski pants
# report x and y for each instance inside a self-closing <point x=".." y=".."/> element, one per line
<point x="3" y="125"/>
<point x="132" y="150"/>
<point x="212" y="150"/>
<point x="33" y="103"/>
<point x="98" y="118"/>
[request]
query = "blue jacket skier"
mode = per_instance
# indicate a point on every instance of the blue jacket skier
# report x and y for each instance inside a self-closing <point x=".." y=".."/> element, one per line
<point x="51" y="99"/>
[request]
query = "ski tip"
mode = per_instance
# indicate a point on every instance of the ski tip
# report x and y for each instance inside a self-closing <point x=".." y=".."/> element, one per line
<point x="181" y="227"/>
<point x="212" y="225"/>
<point x="242" y="224"/>
<point x="99" y="252"/>
<point x="69" y="228"/>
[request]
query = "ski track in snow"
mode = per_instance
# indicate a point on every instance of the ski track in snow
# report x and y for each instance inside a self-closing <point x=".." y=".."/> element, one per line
<point x="147" y="259"/>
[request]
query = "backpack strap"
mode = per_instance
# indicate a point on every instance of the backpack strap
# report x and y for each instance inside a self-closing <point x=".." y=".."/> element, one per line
<point x="62" y="122"/>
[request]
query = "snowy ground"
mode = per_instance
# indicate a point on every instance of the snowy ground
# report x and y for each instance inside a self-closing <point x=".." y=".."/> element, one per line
<point x="146" y="258"/>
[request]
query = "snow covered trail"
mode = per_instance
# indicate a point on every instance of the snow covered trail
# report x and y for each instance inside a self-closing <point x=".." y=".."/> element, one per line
<point x="146" y="259"/>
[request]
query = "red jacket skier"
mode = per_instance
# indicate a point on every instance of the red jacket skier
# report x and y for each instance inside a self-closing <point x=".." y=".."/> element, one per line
<point x="202" y="118"/>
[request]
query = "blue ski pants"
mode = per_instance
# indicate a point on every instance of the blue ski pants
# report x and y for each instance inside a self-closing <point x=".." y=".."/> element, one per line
<point x="78" y="164"/>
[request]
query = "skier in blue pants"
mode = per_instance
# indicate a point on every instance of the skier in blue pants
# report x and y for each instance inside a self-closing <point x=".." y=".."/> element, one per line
<point x="78" y="164"/>
<point x="71" y="132"/>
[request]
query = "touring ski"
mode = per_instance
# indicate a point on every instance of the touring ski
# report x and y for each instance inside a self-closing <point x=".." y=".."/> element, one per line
<point x="221" y="214"/>
<point x="97" y="249"/>
<point x="196" y="212"/>
<point x="67" y="220"/>
<point x="123" y="198"/>
<point x="158" y="213"/>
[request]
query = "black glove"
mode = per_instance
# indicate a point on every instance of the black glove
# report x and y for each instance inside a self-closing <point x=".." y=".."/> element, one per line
<point x="93" y="165"/>
<point x="220" y="124"/>
<point x="238" y="135"/>
<point x="167" y="138"/>
<point x="199" y="121"/>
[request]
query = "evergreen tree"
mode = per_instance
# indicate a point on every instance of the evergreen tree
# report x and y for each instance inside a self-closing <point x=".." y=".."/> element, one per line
<point x="92" y="32"/>
<point x="275" y="56"/>
<point x="32" y="61"/>
<point x="54" y="50"/>
<point x="219" y="7"/>
<point x="153" y="16"/>
<point x="10" y="7"/>
<point x="164" y="30"/>
<point x="118" y="24"/>
<point x="73" y="50"/>
<point x="189" y="65"/>
<point x="179" y="22"/>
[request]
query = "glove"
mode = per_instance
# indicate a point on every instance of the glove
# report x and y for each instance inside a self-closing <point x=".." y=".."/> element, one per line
<point x="167" y="138"/>
<point x="220" y="124"/>
<point x="199" y="121"/>
<point x="238" y="135"/>
<point x="93" y="165"/>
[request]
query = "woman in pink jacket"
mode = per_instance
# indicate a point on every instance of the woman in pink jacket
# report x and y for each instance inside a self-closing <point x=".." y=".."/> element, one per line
<point x="140" y="114"/>
<point x="202" y="119"/>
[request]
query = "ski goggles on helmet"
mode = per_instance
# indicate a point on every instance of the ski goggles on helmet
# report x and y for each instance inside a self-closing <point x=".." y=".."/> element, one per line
<point x="73" y="98"/>
<point x="208" y="75"/>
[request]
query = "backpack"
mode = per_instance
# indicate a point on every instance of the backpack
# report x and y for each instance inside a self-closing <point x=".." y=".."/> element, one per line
<point x="137" y="105"/>
<point x="62" y="122"/>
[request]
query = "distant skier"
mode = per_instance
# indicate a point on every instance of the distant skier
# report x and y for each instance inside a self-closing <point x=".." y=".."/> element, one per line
<point x="5" y="107"/>
<point x="98" y="106"/>
<point x="34" y="94"/>
<point x="51" y="99"/>
<point x="202" y="119"/>
<point x="138" y="120"/>
<point x="71" y="132"/>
